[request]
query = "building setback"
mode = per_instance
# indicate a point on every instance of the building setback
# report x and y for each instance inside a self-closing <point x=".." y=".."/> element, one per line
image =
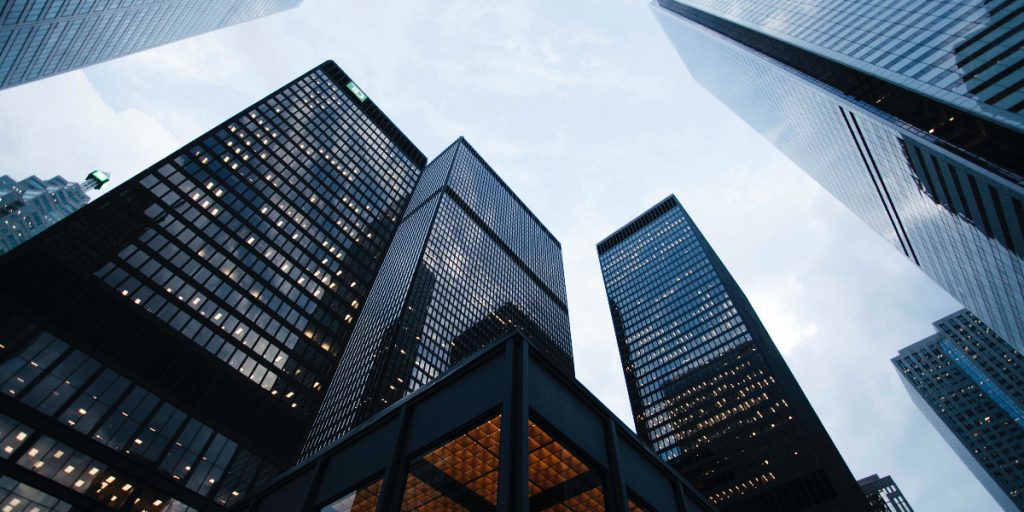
<point x="29" y="206"/>
<point x="970" y="386"/>
<point x="708" y="388"/>
<point x="909" y="112"/>
<point x="168" y="345"/>
<point x="40" y="38"/>
<point x="469" y="264"/>
<point x="883" y="494"/>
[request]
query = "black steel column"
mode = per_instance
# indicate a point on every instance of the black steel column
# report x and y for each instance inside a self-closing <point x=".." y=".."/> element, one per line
<point x="513" y="467"/>
<point x="615" y="497"/>
<point x="393" y="486"/>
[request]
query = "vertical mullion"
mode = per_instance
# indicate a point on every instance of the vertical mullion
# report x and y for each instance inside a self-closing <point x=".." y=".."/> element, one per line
<point x="513" y="465"/>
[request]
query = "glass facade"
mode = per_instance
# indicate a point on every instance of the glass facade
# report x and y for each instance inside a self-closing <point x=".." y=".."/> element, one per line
<point x="40" y="38"/>
<point x="884" y="495"/>
<point x="469" y="264"/>
<point x="29" y="206"/>
<point x="178" y="334"/>
<point x="508" y="429"/>
<point x="964" y="53"/>
<point x="709" y="390"/>
<point x="970" y="384"/>
<point x="942" y="184"/>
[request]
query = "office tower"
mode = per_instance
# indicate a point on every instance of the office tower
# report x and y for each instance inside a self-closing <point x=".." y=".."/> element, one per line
<point x="29" y="206"/>
<point x="469" y="264"/>
<point x="168" y="345"/>
<point x="708" y="388"/>
<point x="506" y="430"/>
<point x="970" y="386"/>
<point x="40" y="38"/>
<point x="883" y="494"/>
<point x="909" y="112"/>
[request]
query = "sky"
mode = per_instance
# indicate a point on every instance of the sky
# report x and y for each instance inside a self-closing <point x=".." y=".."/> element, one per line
<point x="588" y="114"/>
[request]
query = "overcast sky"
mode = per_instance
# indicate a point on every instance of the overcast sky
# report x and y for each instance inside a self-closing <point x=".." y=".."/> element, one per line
<point x="589" y="115"/>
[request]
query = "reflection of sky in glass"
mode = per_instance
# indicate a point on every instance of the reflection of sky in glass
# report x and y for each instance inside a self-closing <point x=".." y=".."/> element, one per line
<point x="961" y="53"/>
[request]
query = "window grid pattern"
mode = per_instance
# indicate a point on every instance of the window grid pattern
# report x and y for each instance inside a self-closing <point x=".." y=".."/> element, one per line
<point x="29" y="206"/>
<point x="942" y="211"/>
<point x="252" y="256"/>
<point x="75" y="390"/>
<point x="40" y="38"/>
<point x="449" y="285"/>
<point x="965" y="53"/>
<point x="241" y="260"/>
<point x="18" y="497"/>
<point x="459" y="475"/>
<point x="702" y="389"/>
<point x="973" y="384"/>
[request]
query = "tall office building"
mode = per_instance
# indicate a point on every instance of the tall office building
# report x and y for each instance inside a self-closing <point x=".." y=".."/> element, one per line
<point x="29" y="206"/>
<point x="708" y="388"/>
<point x="40" y="38"/>
<point x="167" y="346"/>
<point x="910" y="112"/>
<point x="469" y="264"/>
<point x="883" y="494"/>
<point x="970" y="386"/>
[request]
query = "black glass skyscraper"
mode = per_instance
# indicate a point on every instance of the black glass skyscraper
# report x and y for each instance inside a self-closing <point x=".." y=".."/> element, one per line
<point x="708" y="388"/>
<point x="883" y="494"/>
<point x="469" y="264"/>
<point x="40" y="38"/>
<point x="168" y="345"/>
<point x="970" y="386"/>
<point x="910" y="112"/>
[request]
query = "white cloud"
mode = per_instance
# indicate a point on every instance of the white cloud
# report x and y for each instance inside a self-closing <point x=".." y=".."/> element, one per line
<point x="61" y="126"/>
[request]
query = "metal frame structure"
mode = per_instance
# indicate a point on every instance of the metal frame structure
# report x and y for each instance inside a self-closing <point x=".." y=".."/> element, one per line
<point x="510" y="378"/>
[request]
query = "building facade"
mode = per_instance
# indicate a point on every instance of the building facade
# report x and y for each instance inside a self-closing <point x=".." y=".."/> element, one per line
<point x="167" y="346"/>
<point x="469" y="264"/>
<point x="708" y="388"/>
<point x="883" y="494"/>
<point x="970" y="386"/>
<point x="40" y="38"/>
<point x="908" y="112"/>
<point x="506" y="429"/>
<point x="29" y="206"/>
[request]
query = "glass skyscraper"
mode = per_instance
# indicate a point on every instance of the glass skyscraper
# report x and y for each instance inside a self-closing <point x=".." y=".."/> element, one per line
<point x="469" y="264"/>
<point x="29" y="206"/>
<point x="909" y="112"/>
<point x="970" y="386"/>
<point x="708" y="388"/>
<point x="40" y="38"/>
<point x="167" y="346"/>
<point x="883" y="494"/>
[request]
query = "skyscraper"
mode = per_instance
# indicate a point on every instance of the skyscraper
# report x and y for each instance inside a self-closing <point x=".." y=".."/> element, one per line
<point x="883" y="494"/>
<point x="469" y="264"/>
<point x="168" y="345"/>
<point x="970" y="386"/>
<point x="708" y="388"/>
<point x="909" y="112"/>
<point x="29" y="206"/>
<point x="40" y="38"/>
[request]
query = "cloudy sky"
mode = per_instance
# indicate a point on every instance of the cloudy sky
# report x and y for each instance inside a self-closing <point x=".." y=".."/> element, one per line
<point x="588" y="114"/>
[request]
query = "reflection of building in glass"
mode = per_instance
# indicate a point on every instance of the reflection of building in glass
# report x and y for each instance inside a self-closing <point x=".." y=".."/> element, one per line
<point x="883" y="494"/>
<point x="468" y="257"/>
<point x="40" y="38"/>
<point x="29" y="206"/>
<point x="708" y="388"/>
<point x="507" y="429"/>
<point x="909" y="112"/>
<point x="970" y="386"/>
<point x="169" y="344"/>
